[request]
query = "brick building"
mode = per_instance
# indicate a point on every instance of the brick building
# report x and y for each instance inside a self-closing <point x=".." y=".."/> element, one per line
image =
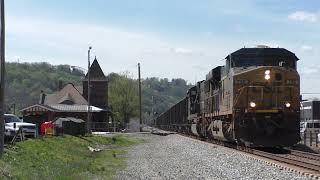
<point x="71" y="101"/>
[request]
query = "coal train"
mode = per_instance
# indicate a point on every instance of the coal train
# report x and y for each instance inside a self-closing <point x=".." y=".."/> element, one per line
<point x="253" y="100"/>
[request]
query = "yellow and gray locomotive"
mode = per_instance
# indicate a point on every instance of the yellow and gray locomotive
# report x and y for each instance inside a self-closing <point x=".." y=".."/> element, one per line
<point x="253" y="100"/>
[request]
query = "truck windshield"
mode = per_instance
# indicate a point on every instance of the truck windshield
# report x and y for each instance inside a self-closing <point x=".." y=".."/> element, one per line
<point x="11" y="119"/>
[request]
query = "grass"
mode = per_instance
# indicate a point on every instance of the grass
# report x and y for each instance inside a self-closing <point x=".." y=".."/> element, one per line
<point x="65" y="157"/>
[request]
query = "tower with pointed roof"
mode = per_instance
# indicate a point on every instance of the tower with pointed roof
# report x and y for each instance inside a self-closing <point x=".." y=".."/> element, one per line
<point x="99" y="87"/>
<point x="72" y="101"/>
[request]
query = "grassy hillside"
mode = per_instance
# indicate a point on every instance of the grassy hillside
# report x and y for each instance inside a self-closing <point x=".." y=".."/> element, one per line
<point x="65" y="157"/>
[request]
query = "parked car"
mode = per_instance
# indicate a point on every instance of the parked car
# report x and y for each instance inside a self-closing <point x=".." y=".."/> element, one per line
<point x="13" y="123"/>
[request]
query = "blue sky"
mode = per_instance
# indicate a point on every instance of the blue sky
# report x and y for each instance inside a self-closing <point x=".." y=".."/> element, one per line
<point x="171" y="38"/>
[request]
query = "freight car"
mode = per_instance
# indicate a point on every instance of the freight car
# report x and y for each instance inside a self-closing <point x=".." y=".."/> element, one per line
<point x="253" y="100"/>
<point x="175" y="119"/>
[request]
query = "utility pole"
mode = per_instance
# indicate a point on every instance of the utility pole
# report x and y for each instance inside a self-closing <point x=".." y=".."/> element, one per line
<point x="89" y="108"/>
<point x="2" y="73"/>
<point x="14" y="108"/>
<point x="140" y="106"/>
<point x="152" y="111"/>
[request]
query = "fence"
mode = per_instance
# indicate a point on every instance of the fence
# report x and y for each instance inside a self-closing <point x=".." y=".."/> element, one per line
<point x="103" y="127"/>
<point x="310" y="139"/>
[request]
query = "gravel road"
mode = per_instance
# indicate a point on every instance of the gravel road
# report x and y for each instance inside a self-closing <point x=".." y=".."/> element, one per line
<point x="178" y="157"/>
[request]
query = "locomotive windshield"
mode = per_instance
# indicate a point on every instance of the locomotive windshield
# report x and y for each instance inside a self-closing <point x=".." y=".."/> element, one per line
<point x="262" y="61"/>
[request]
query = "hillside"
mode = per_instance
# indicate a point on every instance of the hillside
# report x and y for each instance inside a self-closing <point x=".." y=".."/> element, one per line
<point x="165" y="93"/>
<point x="24" y="81"/>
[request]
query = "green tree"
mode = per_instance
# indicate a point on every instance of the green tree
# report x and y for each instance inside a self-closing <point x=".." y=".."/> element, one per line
<point x="165" y="94"/>
<point x="123" y="97"/>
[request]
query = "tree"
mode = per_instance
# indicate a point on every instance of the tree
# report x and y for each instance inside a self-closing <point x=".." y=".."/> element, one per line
<point x="24" y="81"/>
<point x="123" y="96"/>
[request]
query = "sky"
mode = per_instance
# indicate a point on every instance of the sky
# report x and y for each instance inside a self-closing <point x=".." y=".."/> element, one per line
<point x="170" y="38"/>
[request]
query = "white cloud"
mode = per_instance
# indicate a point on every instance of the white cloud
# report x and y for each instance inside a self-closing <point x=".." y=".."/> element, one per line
<point x="188" y="52"/>
<point x="306" y="48"/>
<point x="13" y="58"/>
<point x="117" y="49"/>
<point x="309" y="70"/>
<point x="182" y="51"/>
<point x="304" y="16"/>
<point x="17" y="57"/>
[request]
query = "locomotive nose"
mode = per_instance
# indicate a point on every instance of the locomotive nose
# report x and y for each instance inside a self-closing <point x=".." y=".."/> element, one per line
<point x="270" y="130"/>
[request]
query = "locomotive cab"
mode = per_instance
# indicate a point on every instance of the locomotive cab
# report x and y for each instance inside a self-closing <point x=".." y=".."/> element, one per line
<point x="266" y="97"/>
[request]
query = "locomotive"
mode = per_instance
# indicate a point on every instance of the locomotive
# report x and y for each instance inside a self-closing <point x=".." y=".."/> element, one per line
<point x="253" y="100"/>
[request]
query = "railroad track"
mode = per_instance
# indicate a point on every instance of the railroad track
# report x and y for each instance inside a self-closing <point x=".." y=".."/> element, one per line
<point x="305" y="154"/>
<point x="295" y="158"/>
<point x="308" y="161"/>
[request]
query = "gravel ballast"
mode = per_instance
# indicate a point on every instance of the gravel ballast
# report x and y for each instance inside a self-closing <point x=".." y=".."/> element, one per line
<point x="178" y="157"/>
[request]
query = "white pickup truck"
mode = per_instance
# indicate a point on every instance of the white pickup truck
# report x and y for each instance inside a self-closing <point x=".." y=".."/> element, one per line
<point x="13" y="123"/>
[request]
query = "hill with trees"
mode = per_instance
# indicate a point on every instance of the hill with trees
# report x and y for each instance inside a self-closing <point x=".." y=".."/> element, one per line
<point x="24" y="81"/>
<point x="157" y="95"/>
<point x="160" y="94"/>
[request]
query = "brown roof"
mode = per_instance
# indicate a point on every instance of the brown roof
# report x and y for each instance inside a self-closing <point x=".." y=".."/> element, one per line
<point x="68" y="93"/>
<point x="79" y="88"/>
<point x="96" y="72"/>
<point x="38" y="108"/>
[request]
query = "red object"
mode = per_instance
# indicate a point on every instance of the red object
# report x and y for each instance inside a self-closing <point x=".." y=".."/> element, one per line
<point x="46" y="125"/>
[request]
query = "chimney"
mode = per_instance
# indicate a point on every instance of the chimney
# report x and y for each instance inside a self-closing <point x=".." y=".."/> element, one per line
<point x="42" y="97"/>
<point x="60" y="84"/>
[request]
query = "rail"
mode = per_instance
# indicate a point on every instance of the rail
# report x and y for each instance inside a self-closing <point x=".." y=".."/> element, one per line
<point x="307" y="155"/>
<point x="292" y="159"/>
<point x="309" y="161"/>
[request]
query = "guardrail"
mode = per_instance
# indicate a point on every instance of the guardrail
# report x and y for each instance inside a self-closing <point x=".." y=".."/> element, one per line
<point x="310" y="139"/>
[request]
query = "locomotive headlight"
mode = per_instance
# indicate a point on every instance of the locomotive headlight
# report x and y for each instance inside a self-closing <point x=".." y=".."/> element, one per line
<point x="267" y="74"/>
<point x="267" y="77"/>
<point x="288" y="105"/>
<point x="252" y="104"/>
